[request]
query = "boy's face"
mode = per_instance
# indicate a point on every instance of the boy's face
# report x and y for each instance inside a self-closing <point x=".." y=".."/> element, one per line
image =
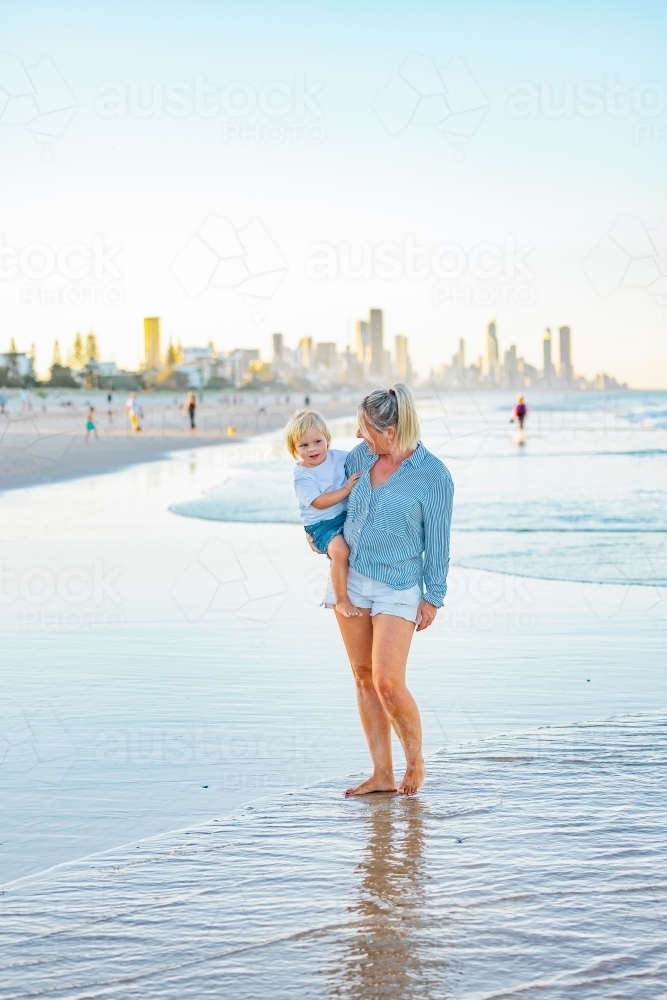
<point x="312" y="448"/>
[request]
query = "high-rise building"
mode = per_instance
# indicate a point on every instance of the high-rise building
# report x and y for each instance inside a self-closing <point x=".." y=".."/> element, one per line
<point x="402" y="359"/>
<point x="377" y="343"/>
<point x="565" y="343"/>
<point x="306" y="348"/>
<point x="350" y="367"/>
<point x="152" y="342"/>
<point x="363" y="344"/>
<point x="326" y="354"/>
<point x="548" y="369"/>
<point x="511" y="367"/>
<point x="278" y="346"/>
<point x="491" y="359"/>
<point x="459" y="359"/>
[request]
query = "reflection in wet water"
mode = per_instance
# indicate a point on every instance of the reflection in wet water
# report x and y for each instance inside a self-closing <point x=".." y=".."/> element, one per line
<point x="387" y="954"/>
<point x="533" y="865"/>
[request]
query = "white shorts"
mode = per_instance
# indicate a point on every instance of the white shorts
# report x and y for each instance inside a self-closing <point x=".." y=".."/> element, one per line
<point x="379" y="597"/>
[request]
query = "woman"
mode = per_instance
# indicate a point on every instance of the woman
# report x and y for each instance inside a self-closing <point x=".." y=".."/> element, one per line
<point x="189" y="407"/>
<point x="397" y="528"/>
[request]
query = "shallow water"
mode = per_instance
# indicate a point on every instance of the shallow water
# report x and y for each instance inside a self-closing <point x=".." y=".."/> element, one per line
<point x="533" y="864"/>
<point x="584" y="499"/>
<point x="203" y="675"/>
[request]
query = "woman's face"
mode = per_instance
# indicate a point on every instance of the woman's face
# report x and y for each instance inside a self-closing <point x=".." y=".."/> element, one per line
<point x="379" y="442"/>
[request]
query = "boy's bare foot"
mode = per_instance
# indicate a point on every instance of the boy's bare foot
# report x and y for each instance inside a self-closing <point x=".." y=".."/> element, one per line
<point x="376" y="783"/>
<point x="413" y="779"/>
<point x="347" y="609"/>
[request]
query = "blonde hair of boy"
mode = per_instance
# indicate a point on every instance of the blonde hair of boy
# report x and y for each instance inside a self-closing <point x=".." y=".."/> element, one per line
<point x="393" y="407"/>
<point x="299" y="424"/>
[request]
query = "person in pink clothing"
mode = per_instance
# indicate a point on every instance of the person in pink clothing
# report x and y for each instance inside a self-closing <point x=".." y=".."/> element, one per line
<point x="520" y="412"/>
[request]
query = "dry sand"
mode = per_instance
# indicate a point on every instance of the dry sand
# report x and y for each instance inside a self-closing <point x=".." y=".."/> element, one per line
<point x="48" y="445"/>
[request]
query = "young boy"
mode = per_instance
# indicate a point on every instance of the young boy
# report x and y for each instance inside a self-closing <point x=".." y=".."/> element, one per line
<point x="322" y="489"/>
<point x="90" y="424"/>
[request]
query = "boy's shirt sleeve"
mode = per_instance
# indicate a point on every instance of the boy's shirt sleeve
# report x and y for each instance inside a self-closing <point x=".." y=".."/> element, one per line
<point x="306" y="486"/>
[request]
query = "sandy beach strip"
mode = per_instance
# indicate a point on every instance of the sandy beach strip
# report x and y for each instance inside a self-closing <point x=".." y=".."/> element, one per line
<point x="49" y="446"/>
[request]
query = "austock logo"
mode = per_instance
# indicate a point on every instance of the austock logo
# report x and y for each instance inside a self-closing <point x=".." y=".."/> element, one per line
<point x="630" y="255"/>
<point x="36" y="98"/>
<point x="447" y="98"/>
<point x="226" y="580"/>
<point x="219" y="256"/>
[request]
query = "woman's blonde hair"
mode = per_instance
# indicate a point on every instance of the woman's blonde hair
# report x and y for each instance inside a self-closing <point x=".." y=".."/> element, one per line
<point x="393" y="407"/>
<point x="299" y="424"/>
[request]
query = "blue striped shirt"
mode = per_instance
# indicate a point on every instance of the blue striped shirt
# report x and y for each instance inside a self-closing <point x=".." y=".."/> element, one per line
<point x="398" y="533"/>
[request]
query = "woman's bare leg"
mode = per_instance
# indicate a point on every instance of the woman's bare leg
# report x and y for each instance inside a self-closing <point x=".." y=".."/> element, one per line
<point x="391" y="644"/>
<point x="357" y="635"/>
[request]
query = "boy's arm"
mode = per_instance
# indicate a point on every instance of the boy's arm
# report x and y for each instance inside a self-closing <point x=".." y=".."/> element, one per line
<point x="326" y="500"/>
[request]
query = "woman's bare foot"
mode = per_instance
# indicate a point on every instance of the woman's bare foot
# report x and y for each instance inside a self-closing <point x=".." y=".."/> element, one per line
<point x="376" y="783"/>
<point x="347" y="609"/>
<point x="413" y="779"/>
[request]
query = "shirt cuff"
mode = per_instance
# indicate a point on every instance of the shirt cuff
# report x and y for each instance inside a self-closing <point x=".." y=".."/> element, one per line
<point x="433" y="599"/>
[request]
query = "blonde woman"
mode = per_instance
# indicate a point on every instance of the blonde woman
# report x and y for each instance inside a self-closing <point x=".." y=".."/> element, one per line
<point x="397" y="529"/>
<point x="190" y="407"/>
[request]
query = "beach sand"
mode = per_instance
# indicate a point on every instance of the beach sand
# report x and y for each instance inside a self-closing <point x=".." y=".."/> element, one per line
<point x="149" y="655"/>
<point x="519" y="873"/>
<point x="162" y="673"/>
<point x="48" y="446"/>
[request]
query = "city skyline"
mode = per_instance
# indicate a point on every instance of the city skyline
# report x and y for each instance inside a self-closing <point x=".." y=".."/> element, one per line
<point x="314" y="363"/>
<point x="298" y="190"/>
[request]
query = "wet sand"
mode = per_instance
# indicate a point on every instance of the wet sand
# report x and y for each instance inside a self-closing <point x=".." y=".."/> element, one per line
<point x="48" y="446"/>
<point x="534" y="865"/>
<point x="159" y="672"/>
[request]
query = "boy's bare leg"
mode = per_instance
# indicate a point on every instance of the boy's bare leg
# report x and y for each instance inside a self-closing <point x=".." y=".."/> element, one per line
<point x="339" y="554"/>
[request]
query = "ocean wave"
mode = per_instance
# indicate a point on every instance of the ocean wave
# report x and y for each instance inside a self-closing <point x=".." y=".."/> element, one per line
<point x="648" y="416"/>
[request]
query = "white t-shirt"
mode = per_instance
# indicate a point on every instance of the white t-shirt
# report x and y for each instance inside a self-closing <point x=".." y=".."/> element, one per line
<point x="311" y="482"/>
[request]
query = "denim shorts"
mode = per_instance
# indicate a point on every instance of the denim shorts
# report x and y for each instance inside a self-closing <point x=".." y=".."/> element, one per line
<point x="323" y="531"/>
<point x="379" y="597"/>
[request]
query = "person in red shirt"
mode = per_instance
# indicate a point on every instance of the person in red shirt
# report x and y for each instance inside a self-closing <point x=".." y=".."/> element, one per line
<point x="520" y="411"/>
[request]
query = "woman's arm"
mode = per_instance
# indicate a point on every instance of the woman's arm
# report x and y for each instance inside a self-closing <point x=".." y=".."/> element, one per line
<point x="437" y="513"/>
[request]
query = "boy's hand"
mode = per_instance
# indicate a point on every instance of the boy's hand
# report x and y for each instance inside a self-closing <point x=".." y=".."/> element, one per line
<point x="351" y="481"/>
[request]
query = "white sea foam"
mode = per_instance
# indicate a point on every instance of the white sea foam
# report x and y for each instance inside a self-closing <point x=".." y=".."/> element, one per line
<point x="584" y="500"/>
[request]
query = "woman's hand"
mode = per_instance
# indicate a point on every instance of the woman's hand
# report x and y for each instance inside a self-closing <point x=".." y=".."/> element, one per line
<point x="425" y="615"/>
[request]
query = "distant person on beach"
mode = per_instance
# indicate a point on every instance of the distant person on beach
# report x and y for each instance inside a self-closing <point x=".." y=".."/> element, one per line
<point x="110" y="407"/>
<point x="397" y="529"/>
<point x="133" y="410"/>
<point x="3" y="400"/>
<point x="520" y="412"/>
<point x="322" y="488"/>
<point x="190" y="407"/>
<point x="90" y="424"/>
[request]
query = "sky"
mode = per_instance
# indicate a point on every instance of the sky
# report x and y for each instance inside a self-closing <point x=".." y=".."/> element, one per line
<point x="245" y="169"/>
